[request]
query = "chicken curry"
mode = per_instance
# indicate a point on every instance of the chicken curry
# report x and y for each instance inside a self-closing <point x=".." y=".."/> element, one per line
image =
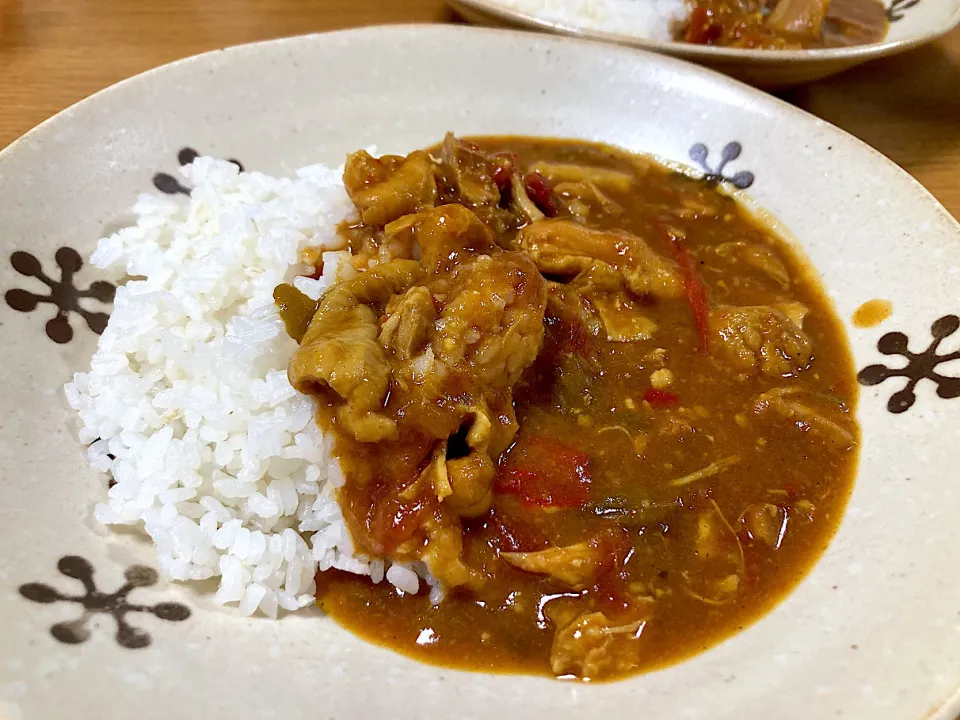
<point x="603" y="408"/>
<point x="784" y="24"/>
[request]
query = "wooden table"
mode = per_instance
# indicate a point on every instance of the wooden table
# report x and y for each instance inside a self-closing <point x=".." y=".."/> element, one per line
<point x="55" y="52"/>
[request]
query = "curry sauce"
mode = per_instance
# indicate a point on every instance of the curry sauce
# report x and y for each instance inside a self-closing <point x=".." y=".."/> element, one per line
<point x="607" y="409"/>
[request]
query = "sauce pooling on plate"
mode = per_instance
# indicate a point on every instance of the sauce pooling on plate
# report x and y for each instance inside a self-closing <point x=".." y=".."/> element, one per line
<point x="872" y="313"/>
<point x="608" y="410"/>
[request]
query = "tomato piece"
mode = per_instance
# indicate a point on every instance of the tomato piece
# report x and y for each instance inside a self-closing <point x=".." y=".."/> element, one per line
<point x="545" y="472"/>
<point x="701" y="29"/>
<point x="501" y="177"/>
<point x="511" y="481"/>
<point x="568" y="333"/>
<point x="615" y="544"/>
<point x="513" y="535"/>
<point x="501" y="168"/>
<point x="540" y="193"/>
<point x="612" y="595"/>
<point x="394" y="521"/>
<point x="661" y="399"/>
<point x="694" y="289"/>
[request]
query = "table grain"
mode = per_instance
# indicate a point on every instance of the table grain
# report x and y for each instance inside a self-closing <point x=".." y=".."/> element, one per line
<point x="56" y="52"/>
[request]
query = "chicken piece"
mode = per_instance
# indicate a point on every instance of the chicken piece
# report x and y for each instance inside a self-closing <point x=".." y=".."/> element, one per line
<point x="764" y="522"/>
<point x="409" y="318"/>
<point x="435" y="474"/>
<point x="472" y="475"/>
<point x="783" y="402"/>
<point x="793" y="310"/>
<point x="470" y="173"/>
<point x="503" y="423"/>
<point x="463" y="483"/>
<point x="576" y="565"/>
<point x="492" y="322"/>
<point x="570" y="315"/>
<point x="471" y="479"/>
<point x="592" y="646"/>
<point x="443" y="555"/>
<point x="799" y="17"/>
<point x="462" y="471"/>
<point x="599" y="279"/>
<point x="340" y="350"/>
<point x="761" y="339"/>
<point x="600" y="177"/>
<point x="449" y="234"/>
<point x="391" y="192"/>
<point x="718" y="545"/>
<point x="400" y="231"/>
<point x="562" y="247"/>
<point x="714" y="538"/>
<point x="362" y="170"/>
<point x="622" y="319"/>
<point x="579" y="198"/>
<point x="698" y="204"/>
<point x="757" y="257"/>
<point x="528" y="208"/>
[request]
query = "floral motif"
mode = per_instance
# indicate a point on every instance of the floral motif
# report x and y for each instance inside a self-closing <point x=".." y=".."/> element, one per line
<point x="169" y="184"/>
<point x="699" y="153"/>
<point x="922" y="365"/>
<point x="64" y="294"/>
<point x="897" y="7"/>
<point x="94" y="601"/>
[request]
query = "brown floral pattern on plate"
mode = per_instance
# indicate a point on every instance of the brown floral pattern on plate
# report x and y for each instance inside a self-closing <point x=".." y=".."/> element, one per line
<point x="897" y="8"/>
<point x="94" y="601"/>
<point x="63" y="293"/>
<point x="921" y="365"/>
<point x="172" y="186"/>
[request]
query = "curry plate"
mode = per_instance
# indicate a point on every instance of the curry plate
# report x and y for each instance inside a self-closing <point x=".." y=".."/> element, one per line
<point x="912" y="23"/>
<point x="89" y="627"/>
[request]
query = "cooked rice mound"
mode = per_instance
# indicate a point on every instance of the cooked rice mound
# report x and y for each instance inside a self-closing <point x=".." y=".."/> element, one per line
<point x="651" y="19"/>
<point x="187" y="403"/>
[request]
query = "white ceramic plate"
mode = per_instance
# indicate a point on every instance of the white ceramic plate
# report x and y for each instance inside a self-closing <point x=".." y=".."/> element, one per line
<point x="873" y="632"/>
<point x="912" y="23"/>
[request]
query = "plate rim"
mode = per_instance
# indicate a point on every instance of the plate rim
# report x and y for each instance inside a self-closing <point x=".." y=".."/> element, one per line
<point x="757" y="97"/>
<point x="685" y="66"/>
<point x="710" y="53"/>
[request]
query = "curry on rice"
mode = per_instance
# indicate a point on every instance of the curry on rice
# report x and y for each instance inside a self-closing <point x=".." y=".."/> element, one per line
<point x="598" y="403"/>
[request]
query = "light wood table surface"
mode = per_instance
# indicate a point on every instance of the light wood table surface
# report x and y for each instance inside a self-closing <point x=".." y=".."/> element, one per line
<point x="56" y="52"/>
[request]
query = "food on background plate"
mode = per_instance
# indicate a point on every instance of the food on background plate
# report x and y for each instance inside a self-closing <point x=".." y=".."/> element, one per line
<point x="761" y="24"/>
<point x="784" y="24"/>
<point x="650" y="19"/>
<point x="527" y="405"/>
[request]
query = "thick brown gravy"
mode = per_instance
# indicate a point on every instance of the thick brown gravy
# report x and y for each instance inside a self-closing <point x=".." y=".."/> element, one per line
<point x="714" y="476"/>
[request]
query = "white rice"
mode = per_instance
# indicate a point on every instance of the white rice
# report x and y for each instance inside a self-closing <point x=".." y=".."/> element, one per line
<point x="649" y="19"/>
<point x="214" y="454"/>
